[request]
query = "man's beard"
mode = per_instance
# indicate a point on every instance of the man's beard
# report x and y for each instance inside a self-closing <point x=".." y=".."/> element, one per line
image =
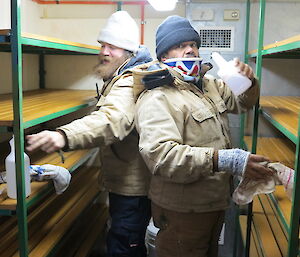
<point x="107" y="66"/>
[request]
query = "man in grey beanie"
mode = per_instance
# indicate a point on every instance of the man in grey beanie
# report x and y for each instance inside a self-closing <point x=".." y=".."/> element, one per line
<point x="111" y="127"/>
<point x="181" y="117"/>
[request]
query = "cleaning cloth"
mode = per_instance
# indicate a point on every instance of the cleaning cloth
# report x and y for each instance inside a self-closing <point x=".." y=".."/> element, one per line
<point x="61" y="177"/>
<point x="248" y="188"/>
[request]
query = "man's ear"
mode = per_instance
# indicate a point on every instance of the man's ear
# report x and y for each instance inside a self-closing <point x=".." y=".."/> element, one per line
<point x="163" y="58"/>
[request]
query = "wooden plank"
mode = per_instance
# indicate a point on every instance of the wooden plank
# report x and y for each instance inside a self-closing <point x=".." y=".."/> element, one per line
<point x="57" y="40"/>
<point x="42" y="102"/>
<point x="264" y="231"/>
<point x="38" y="218"/>
<point x="283" y="202"/>
<point x="59" y="229"/>
<point x="51" y="220"/>
<point x="278" y="43"/>
<point x="60" y="208"/>
<point x="254" y="252"/>
<point x="71" y="158"/>
<point x="85" y="232"/>
<point x="280" y="234"/>
<point x="278" y="150"/>
<point x="87" y="244"/>
<point x="4" y="32"/>
<point x="283" y="109"/>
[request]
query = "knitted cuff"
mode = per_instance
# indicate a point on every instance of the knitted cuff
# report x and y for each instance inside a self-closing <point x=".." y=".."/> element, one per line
<point x="233" y="161"/>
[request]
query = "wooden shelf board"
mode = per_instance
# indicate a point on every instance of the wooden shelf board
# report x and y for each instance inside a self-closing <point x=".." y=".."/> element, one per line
<point x="84" y="233"/>
<point x="254" y="247"/>
<point x="275" y="223"/>
<point x="278" y="43"/>
<point x="283" y="109"/>
<point x="267" y="237"/>
<point x="57" y="40"/>
<point x="71" y="158"/>
<point x="43" y="102"/>
<point x="51" y="43"/>
<point x="278" y="150"/>
<point x="54" y="217"/>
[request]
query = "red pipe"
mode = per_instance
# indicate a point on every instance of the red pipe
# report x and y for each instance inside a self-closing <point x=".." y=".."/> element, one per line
<point x="142" y="22"/>
<point x="86" y="2"/>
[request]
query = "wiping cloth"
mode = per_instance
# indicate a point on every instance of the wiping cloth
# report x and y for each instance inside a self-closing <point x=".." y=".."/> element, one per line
<point x="61" y="177"/>
<point x="248" y="188"/>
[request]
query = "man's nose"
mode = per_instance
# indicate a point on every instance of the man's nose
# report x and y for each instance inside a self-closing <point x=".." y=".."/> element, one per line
<point x="189" y="50"/>
<point x="104" y="51"/>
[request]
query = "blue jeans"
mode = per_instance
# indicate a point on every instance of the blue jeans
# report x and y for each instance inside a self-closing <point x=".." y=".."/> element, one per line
<point x="130" y="217"/>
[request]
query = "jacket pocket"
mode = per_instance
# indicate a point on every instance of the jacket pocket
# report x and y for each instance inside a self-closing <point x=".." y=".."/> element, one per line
<point x="202" y="115"/>
<point x="205" y="127"/>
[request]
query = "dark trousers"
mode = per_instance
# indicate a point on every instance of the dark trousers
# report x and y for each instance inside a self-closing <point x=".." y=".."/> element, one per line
<point x="130" y="217"/>
<point x="187" y="234"/>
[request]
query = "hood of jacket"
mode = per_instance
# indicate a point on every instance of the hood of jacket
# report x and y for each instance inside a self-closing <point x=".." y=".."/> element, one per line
<point x="156" y="67"/>
<point x="142" y="56"/>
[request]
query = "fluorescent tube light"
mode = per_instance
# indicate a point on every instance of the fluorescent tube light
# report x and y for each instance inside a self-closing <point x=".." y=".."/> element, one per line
<point x="163" y="5"/>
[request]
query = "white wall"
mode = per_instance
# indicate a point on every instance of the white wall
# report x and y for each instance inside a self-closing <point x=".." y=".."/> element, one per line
<point x="281" y="21"/>
<point x="77" y="23"/>
<point x="5" y="14"/>
<point x="81" y="23"/>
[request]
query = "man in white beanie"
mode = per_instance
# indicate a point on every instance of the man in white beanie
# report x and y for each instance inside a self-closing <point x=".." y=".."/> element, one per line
<point x="111" y="127"/>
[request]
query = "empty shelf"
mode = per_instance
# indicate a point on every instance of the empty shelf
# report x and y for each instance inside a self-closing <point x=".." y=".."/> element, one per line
<point x="283" y="113"/>
<point x="45" y="104"/>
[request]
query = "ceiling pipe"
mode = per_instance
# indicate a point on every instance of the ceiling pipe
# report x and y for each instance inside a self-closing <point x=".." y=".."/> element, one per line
<point x="89" y="2"/>
<point x="142" y="23"/>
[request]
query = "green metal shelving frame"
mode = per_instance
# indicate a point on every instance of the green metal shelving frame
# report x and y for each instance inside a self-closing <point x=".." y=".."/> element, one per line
<point x="288" y="50"/>
<point x="16" y="44"/>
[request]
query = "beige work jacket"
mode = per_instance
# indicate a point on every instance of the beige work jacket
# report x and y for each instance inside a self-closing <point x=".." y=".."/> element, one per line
<point x="112" y="128"/>
<point x="180" y="127"/>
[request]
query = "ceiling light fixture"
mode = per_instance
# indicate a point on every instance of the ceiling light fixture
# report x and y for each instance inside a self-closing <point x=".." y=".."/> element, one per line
<point x="165" y="5"/>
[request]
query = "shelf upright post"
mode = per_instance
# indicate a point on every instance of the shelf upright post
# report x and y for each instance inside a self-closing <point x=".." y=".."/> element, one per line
<point x="18" y="128"/>
<point x="119" y="6"/>
<point x="293" y="247"/>
<point x="262" y="6"/>
<point x="246" y="49"/>
<point x="242" y="131"/>
<point x="42" y="71"/>
<point x="258" y="69"/>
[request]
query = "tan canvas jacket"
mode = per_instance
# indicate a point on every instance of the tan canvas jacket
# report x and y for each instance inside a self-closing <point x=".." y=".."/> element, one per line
<point x="180" y="127"/>
<point x="112" y="128"/>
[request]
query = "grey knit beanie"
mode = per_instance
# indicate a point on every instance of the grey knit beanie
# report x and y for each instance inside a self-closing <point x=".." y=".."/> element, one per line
<point x="173" y="31"/>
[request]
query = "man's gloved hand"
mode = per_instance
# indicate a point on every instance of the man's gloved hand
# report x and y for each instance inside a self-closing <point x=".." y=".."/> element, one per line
<point x="239" y="162"/>
<point x="61" y="177"/>
<point x="233" y="161"/>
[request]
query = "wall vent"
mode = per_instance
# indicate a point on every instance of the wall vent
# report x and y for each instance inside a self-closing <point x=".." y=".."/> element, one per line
<point x="217" y="38"/>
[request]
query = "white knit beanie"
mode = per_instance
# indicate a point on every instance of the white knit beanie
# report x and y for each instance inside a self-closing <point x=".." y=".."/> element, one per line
<point x="122" y="31"/>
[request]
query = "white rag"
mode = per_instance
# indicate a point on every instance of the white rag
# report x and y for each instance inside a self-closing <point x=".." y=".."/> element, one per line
<point x="248" y="188"/>
<point x="61" y="177"/>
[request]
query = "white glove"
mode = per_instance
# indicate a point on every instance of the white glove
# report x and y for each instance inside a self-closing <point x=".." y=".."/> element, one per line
<point x="61" y="177"/>
<point x="233" y="161"/>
